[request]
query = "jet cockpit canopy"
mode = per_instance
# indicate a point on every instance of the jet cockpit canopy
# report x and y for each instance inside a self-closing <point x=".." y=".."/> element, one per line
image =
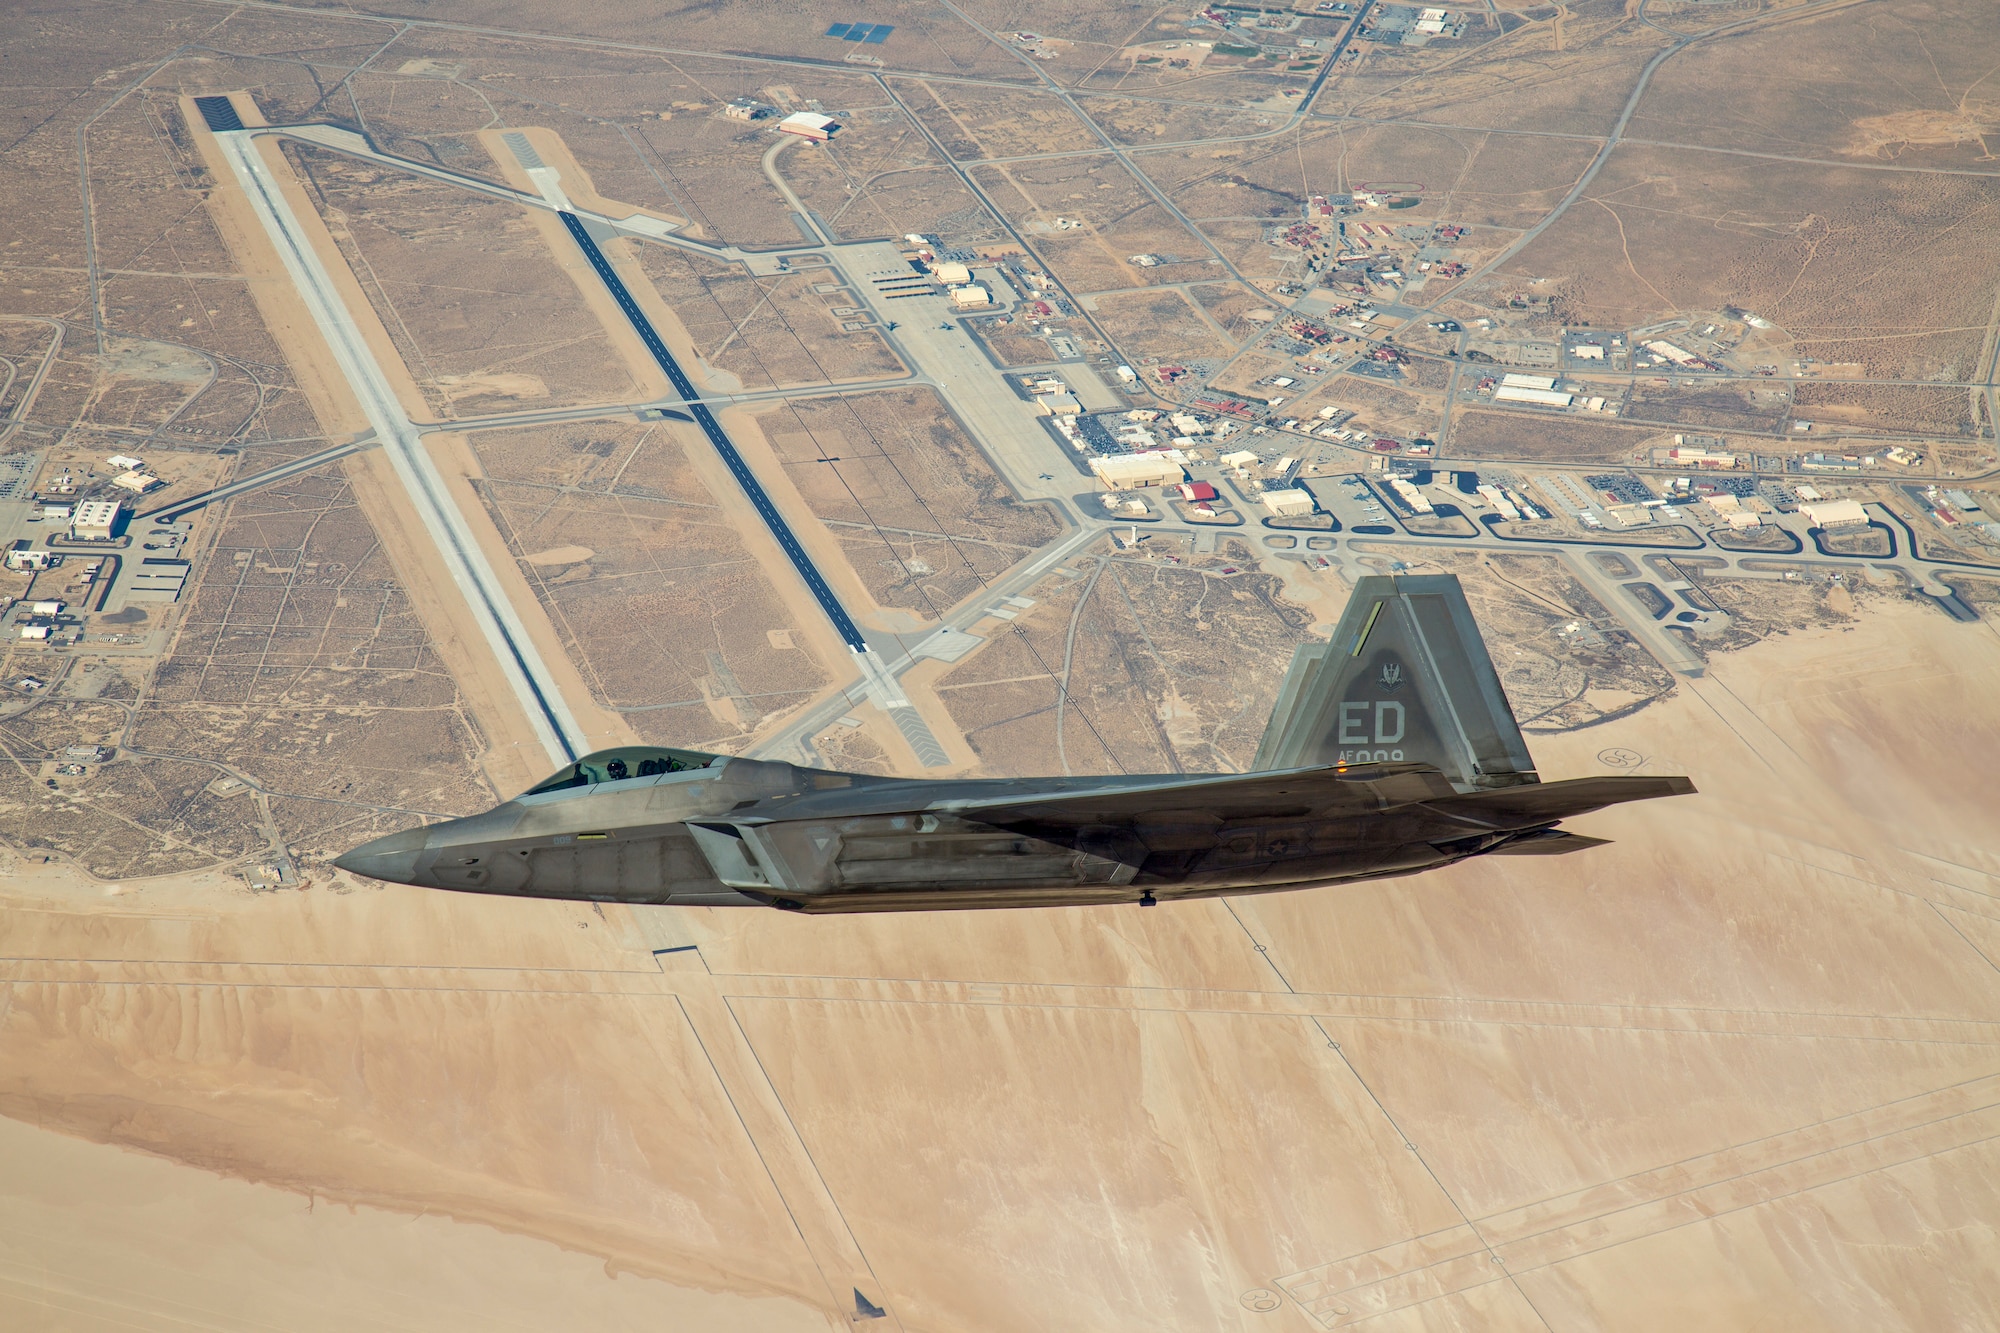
<point x="625" y="761"/>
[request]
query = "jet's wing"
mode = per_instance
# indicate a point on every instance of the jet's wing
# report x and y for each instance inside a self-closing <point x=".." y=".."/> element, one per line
<point x="1209" y="798"/>
<point x="1305" y="792"/>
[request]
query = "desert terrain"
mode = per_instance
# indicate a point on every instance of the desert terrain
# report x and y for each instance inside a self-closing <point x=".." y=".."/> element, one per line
<point x="1736" y="1063"/>
<point x="492" y="384"/>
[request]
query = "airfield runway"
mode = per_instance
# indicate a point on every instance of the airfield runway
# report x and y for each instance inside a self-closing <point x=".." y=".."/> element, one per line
<point x="780" y="530"/>
<point x="550" y="715"/>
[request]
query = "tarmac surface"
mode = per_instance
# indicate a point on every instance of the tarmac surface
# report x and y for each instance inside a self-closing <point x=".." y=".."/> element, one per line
<point x="550" y="715"/>
<point x="692" y="398"/>
<point x="943" y="354"/>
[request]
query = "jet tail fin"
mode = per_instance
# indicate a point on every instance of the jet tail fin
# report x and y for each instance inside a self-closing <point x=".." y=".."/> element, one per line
<point x="1406" y="678"/>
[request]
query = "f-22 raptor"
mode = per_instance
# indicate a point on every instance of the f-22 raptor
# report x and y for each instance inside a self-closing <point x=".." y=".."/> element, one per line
<point x="1391" y="750"/>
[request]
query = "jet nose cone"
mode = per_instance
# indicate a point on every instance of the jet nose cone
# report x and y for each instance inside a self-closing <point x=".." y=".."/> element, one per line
<point x="393" y="858"/>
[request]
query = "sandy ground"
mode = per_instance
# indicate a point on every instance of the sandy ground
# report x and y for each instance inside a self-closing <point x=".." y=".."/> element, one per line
<point x="1739" y="1070"/>
<point x="745" y="430"/>
<point x="516" y="758"/>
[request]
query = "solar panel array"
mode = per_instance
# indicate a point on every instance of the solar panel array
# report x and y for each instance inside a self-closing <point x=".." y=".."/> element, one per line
<point x="872" y="33"/>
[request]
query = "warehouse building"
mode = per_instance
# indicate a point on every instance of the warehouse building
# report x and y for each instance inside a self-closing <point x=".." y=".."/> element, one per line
<point x="136" y="482"/>
<point x="1537" y="389"/>
<point x="1131" y="471"/>
<point x="96" y="520"/>
<point x="1289" y="500"/>
<point x="1834" y="513"/>
<point x="809" y="125"/>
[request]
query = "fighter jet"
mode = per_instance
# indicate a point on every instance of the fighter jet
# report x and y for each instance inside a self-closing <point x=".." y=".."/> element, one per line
<point x="1391" y="750"/>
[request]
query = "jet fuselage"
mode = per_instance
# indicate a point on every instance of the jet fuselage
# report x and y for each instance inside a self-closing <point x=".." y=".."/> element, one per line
<point x="1391" y="749"/>
<point x="745" y="832"/>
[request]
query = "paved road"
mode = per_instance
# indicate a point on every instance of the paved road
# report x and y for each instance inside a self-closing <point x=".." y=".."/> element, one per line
<point x="546" y="416"/>
<point x="356" y="145"/>
<point x="459" y="550"/>
<point x="1581" y="554"/>
<point x="1684" y="40"/>
<point x="780" y="530"/>
<point x="26" y="402"/>
<point x="794" y="741"/>
<point x="257" y="481"/>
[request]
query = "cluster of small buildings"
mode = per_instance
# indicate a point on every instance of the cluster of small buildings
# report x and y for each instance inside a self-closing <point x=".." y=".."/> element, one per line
<point x="806" y="124"/>
<point x="1699" y="451"/>
<point x="956" y="279"/>
<point x="89" y="514"/>
<point x="1824" y="462"/>
<point x="46" y="621"/>
<point x="1508" y="504"/>
<point x="1052" y="393"/>
<point x="953" y="275"/>
<point x="1409" y="25"/>
<point x="132" y="475"/>
<point x="1735" y="511"/>
<point x="1960" y="508"/>
<point x="1416" y="500"/>
<point x="1149" y="465"/>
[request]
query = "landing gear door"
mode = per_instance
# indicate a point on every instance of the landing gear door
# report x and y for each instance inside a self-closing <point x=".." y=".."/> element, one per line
<point x="732" y="857"/>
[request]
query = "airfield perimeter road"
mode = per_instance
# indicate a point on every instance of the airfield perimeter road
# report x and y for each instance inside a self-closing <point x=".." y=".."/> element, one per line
<point x="780" y="530"/>
<point x="548" y="713"/>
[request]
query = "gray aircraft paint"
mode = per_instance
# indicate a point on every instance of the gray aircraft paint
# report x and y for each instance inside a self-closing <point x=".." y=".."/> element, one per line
<point x="1391" y="750"/>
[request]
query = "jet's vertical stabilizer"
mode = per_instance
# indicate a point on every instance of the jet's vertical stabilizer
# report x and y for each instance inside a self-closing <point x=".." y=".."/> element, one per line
<point x="1406" y="678"/>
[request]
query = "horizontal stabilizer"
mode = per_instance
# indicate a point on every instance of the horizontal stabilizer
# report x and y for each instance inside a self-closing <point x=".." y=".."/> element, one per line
<point x="1549" y="842"/>
<point x="1544" y="802"/>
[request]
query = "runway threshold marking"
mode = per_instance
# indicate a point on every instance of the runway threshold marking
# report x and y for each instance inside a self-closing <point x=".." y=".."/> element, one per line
<point x="759" y="499"/>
